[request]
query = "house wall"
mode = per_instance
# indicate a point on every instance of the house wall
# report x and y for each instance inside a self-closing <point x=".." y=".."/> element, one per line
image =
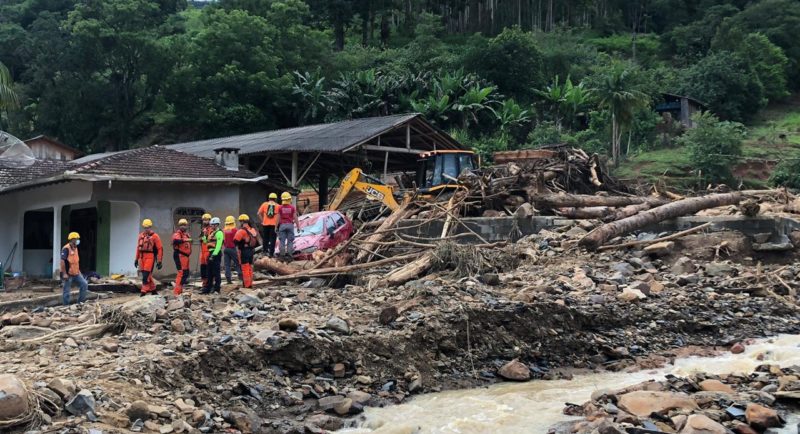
<point x="122" y="237"/>
<point x="44" y="150"/>
<point x="14" y="206"/>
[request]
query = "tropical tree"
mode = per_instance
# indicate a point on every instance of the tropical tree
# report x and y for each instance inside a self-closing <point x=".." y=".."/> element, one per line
<point x="616" y="92"/>
<point x="8" y="98"/>
<point x="313" y="99"/>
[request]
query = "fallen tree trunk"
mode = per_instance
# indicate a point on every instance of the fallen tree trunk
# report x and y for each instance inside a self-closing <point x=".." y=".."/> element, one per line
<point x="627" y="212"/>
<point x="599" y="236"/>
<point x="592" y="212"/>
<point x="657" y="240"/>
<point x="586" y="200"/>
<point x="412" y="270"/>
<point x="275" y="266"/>
<point x="381" y="232"/>
<point x="338" y="270"/>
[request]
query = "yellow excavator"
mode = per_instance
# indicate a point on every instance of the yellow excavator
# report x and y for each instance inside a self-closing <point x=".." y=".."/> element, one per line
<point x="437" y="172"/>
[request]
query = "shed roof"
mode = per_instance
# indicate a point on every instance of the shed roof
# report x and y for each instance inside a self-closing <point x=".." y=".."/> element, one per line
<point x="334" y="137"/>
<point x="54" y="142"/>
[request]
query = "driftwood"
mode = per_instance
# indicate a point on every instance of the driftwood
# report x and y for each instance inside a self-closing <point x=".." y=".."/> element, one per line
<point x="657" y="240"/>
<point x="627" y="211"/>
<point x="589" y="212"/>
<point x="410" y="271"/>
<point x="330" y="271"/>
<point x="275" y="266"/>
<point x="404" y="211"/>
<point x="585" y="200"/>
<point x="600" y="235"/>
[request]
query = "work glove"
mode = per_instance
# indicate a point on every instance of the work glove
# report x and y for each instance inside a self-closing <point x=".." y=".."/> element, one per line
<point x="158" y="265"/>
<point x="136" y="263"/>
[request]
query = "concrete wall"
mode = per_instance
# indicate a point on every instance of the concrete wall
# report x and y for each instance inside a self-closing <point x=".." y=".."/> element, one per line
<point x="36" y="262"/>
<point x="14" y="206"/>
<point x="124" y="217"/>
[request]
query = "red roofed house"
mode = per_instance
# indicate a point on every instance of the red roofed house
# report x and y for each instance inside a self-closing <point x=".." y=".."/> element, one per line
<point x="104" y="197"/>
<point x="48" y="148"/>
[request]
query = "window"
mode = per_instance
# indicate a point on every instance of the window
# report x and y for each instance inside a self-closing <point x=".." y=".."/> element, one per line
<point x="339" y="220"/>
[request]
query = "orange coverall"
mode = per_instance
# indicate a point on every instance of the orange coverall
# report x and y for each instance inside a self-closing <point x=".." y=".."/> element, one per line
<point x="247" y="240"/>
<point x="204" y="253"/>
<point x="149" y="252"/>
<point x="182" y="246"/>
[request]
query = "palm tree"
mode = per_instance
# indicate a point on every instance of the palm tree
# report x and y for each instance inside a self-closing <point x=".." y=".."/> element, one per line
<point x="617" y="94"/>
<point x="8" y="98"/>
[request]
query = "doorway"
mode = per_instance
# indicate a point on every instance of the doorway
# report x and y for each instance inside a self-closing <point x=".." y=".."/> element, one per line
<point x="37" y="243"/>
<point x="84" y="222"/>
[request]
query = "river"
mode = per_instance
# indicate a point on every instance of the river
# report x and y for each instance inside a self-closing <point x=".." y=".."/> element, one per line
<point x="535" y="406"/>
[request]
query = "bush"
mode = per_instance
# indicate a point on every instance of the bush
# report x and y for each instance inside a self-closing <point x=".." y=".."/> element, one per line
<point x="786" y="174"/>
<point x="546" y="133"/>
<point x="714" y="147"/>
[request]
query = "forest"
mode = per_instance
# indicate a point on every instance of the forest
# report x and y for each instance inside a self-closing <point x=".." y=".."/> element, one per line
<point x="105" y="75"/>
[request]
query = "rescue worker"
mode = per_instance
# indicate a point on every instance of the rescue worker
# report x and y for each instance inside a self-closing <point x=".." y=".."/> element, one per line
<point x="287" y="220"/>
<point x="149" y="254"/>
<point x="214" y="242"/>
<point x="247" y="240"/>
<point x="182" y="250"/>
<point x="229" y="249"/>
<point x="204" y="230"/>
<point x="268" y="213"/>
<point x="71" y="269"/>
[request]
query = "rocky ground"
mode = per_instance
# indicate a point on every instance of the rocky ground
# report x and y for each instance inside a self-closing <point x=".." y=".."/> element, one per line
<point x="296" y="358"/>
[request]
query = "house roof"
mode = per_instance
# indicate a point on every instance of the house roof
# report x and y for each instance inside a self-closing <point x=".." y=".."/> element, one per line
<point x="332" y="137"/>
<point x="673" y="95"/>
<point x="155" y="163"/>
<point x="55" y="142"/>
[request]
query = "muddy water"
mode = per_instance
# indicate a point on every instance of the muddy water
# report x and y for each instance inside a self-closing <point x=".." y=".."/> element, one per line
<point x="535" y="406"/>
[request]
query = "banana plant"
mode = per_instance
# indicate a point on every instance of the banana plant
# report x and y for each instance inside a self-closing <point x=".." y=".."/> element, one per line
<point x="436" y="108"/>
<point x="475" y="100"/>
<point x="511" y="115"/>
<point x="314" y="102"/>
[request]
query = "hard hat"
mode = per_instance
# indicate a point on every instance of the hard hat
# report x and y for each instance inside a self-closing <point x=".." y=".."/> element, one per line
<point x="147" y="223"/>
<point x="206" y="216"/>
<point x="286" y="196"/>
<point x="183" y="222"/>
<point x="244" y="218"/>
<point x="215" y="221"/>
<point x="73" y="236"/>
<point x="273" y="196"/>
<point x="229" y="220"/>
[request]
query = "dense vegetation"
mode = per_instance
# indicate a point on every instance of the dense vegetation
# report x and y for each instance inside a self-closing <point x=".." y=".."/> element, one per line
<point x="113" y="74"/>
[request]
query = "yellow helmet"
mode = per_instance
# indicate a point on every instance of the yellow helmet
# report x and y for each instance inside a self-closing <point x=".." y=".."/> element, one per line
<point x="244" y="218"/>
<point x="147" y="223"/>
<point x="183" y="222"/>
<point x="273" y="196"/>
<point x="206" y="216"/>
<point x="286" y="196"/>
<point x="229" y="220"/>
<point x="73" y="236"/>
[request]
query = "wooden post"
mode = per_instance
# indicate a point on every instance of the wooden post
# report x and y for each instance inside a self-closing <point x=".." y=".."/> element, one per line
<point x="323" y="190"/>
<point x="295" y="159"/>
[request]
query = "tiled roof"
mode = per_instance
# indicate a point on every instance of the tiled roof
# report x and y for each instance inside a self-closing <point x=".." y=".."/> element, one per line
<point x="156" y="161"/>
<point x="40" y="169"/>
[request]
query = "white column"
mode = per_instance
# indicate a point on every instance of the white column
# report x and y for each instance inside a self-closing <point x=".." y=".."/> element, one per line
<point x="295" y="170"/>
<point x="56" y="240"/>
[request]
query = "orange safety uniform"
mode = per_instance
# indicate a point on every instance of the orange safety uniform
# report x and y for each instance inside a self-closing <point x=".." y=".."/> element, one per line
<point x="73" y="261"/>
<point x="205" y="234"/>
<point x="269" y="224"/>
<point x="246" y="239"/>
<point x="149" y="252"/>
<point x="182" y="250"/>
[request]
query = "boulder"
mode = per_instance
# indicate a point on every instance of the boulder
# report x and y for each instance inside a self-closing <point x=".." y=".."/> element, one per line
<point x="683" y="265"/>
<point x="178" y="326"/>
<point x="325" y="422"/>
<point x="145" y="305"/>
<point x="715" y="386"/>
<point x="631" y="294"/>
<point x="663" y="248"/>
<point x="63" y="387"/>
<point x="339" y="370"/>
<point x="359" y="397"/>
<point x="642" y="403"/>
<point x="762" y="418"/>
<point x="338" y="325"/>
<point x="138" y="410"/>
<point x="331" y="402"/>
<point x="515" y="371"/>
<point x="702" y="424"/>
<point x="288" y="324"/>
<point x="388" y="315"/>
<point x="263" y="336"/>
<point x="737" y="348"/>
<point x="717" y="269"/>
<point x="81" y="403"/>
<point x="14" y="399"/>
<point x="343" y="407"/>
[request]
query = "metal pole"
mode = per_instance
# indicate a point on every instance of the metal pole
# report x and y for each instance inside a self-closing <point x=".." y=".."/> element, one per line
<point x="295" y="159"/>
<point x="408" y="136"/>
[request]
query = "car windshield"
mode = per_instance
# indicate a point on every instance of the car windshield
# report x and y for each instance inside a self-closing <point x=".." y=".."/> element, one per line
<point x="310" y="226"/>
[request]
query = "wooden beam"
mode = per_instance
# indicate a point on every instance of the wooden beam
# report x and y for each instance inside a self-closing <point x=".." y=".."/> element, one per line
<point x="380" y="148"/>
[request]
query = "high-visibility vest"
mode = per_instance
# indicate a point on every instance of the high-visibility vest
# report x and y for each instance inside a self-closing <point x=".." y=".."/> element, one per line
<point x="73" y="260"/>
<point x="147" y="244"/>
<point x="211" y="240"/>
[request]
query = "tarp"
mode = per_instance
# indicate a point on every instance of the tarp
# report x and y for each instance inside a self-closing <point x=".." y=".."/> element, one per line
<point x="14" y="152"/>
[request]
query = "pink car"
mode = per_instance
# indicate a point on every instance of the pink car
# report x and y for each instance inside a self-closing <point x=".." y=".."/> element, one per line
<point x="320" y="231"/>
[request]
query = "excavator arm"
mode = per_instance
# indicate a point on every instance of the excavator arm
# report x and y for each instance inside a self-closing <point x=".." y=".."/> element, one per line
<point x="371" y="187"/>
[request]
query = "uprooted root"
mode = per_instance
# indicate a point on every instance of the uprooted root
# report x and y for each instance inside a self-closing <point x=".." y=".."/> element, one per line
<point x="470" y="261"/>
<point x="34" y="416"/>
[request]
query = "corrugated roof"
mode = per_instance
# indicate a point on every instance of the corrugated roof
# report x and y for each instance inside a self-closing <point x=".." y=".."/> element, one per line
<point x="332" y="137"/>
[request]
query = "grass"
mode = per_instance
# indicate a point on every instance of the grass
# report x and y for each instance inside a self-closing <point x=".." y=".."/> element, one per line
<point x="773" y="136"/>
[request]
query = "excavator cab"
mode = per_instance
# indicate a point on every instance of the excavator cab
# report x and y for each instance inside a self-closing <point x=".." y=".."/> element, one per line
<point x="439" y="170"/>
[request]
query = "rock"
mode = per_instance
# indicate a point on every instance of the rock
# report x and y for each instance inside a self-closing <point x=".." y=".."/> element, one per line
<point x="624" y="268"/>
<point x="606" y="427"/>
<point x="330" y="402"/>
<point x="526" y="210"/>
<point x="152" y="426"/>
<point x="656" y="287"/>
<point x="245" y="422"/>
<point x="81" y="403"/>
<point x="69" y="342"/>
<point x="14" y="399"/>
<point x="491" y="279"/>
<point x="743" y="428"/>
<point x="41" y="322"/>
<point x="625" y="417"/>
<point x="702" y="424"/>
<point x="249" y="301"/>
<point x="717" y="269"/>
<point x="663" y="248"/>
<point x="314" y="282"/>
<point x="641" y="403"/>
<point x="158" y="410"/>
<point x="176" y="304"/>
<point x="325" y="422"/>
<point x="144" y="305"/>
<point x="288" y="324"/>
<point x="138" y="410"/>
<point x="166" y="429"/>
<point x="343" y="407"/>
<point x="415" y="386"/>
<point x="715" y="386"/>
<point x="110" y="346"/>
<point x="359" y="397"/>
<point x="683" y="265"/>
<point x="737" y="348"/>
<point x="597" y="299"/>
<point x="183" y="407"/>
<point x="515" y="371"/>
<point x="338" y="325"/>
<point x="339" y="370"/>
<point x="631" y="294"/>
<point x="575" y="232"/>
<point x="199" y="417"/>
<point x="388" y="315"/>
<point x="52" y="403"/>
<point x="64" y="388"/>
<point x="178" y="326"/>
<point x="761" y="418"/>
<point x="363" y="379"/>
<point x="17" y="319"/>
<point x="687" y="279"/>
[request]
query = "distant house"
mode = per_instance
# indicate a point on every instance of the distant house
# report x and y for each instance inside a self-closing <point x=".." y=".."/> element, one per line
<point x="679" y="108"/>
<point x="48" y="148"/>
<point x="104" y="197"/>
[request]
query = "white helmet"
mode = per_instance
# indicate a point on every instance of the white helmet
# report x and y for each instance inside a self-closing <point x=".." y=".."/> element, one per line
<point x="215" y="221"/>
